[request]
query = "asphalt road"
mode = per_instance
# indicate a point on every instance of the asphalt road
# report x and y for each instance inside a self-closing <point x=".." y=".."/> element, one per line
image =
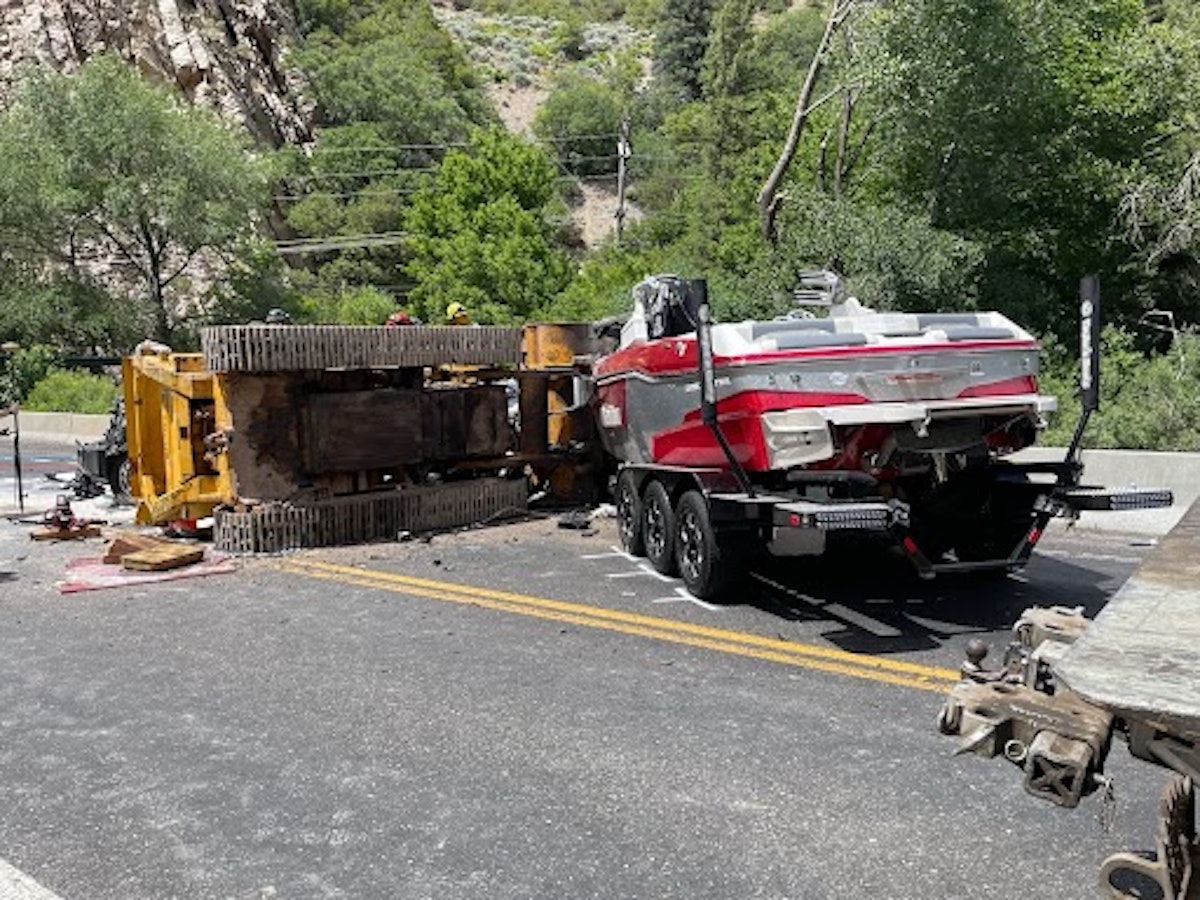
<point x="524" y="712"/>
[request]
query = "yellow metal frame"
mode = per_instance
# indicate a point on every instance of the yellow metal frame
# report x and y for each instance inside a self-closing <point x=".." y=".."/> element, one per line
<point x="172" y="404"/>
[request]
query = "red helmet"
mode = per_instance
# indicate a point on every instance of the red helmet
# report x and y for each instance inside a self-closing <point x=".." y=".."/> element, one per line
<point x="398" y="318"/>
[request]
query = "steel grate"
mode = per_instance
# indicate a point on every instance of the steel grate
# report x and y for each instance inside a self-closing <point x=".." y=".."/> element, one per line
<point x="276" y="527"/>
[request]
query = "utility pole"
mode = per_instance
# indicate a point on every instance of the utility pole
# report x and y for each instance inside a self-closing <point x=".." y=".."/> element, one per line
<point x="623" y="154"/>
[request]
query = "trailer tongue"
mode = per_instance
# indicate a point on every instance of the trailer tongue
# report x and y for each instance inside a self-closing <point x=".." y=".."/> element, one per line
<point x="748" y="436"/>
<point x="1068" y="686"/>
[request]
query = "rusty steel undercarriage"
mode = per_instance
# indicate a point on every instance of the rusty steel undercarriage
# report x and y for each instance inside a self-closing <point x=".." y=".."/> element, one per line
<point x="304" y="436"/>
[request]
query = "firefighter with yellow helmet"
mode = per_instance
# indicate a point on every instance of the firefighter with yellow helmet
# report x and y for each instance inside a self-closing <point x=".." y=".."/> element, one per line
<point x="456" y="314"/>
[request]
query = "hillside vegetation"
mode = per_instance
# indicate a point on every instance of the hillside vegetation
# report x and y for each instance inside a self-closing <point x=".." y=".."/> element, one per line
<point x="949" y="154"/>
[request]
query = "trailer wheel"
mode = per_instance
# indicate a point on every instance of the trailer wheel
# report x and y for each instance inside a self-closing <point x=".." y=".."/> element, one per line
<point x="708" y="564"/>
<point x="658" y="528"/>
<point x="629" y="515"/>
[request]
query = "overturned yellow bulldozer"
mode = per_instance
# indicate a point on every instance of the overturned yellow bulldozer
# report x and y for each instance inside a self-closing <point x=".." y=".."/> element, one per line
<point x="300" y="436"/>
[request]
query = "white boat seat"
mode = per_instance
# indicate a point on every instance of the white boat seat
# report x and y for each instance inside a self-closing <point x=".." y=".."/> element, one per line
<point x="790" y="340"/>
<point x="926" y="321"/>
<point x="762" y="329"/>
<point x="974" y="333"/>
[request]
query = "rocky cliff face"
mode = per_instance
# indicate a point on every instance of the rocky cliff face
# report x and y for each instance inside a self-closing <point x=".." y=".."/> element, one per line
<point x="229" y="55"/>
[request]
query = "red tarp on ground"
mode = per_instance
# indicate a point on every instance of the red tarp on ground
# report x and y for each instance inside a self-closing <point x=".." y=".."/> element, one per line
<point x="93" y="574"/>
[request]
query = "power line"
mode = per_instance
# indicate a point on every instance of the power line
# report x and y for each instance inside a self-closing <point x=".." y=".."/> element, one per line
<point x="409" y="190"/>
<point x="383" y="148"/>
<point x="363" y="192"/>
<point x="343" y="195"/>
<point x="371" y="173"/>
<point x="340" y="242"/>
<point x="391" y="238"/>
<point x="386" y="148"/>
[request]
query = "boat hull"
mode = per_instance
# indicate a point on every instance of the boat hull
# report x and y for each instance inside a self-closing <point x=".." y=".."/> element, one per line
<point x="781" y="409"/>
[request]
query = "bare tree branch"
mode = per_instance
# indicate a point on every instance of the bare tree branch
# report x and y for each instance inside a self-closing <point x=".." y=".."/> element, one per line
<point x="768" y="196"/>
<point x="843" y="139"/>
<point x="183" y="267"/>
<point x="860" y="145"/>
<point x="97" y="219"/>
<point x="823" y="158"/>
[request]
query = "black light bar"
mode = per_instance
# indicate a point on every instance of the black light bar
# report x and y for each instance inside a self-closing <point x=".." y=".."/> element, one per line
<point x="1116" y="499"/>
<point x="835" y="516"/>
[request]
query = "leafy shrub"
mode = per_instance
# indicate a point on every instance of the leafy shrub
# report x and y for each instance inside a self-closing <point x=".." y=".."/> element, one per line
<point x="1146" y="402"/>
<point x="358" y="305"/>
<point x="20" y="371"/>
<point x="580" y="118"/>
<point x="66" y="390"/>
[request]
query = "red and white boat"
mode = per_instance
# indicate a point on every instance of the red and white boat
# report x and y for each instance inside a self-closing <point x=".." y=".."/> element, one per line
<point x="748" y="436"/>
<point x="856" y="389"/>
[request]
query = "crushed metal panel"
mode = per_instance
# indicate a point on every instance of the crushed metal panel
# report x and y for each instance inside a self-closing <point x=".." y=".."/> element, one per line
<point x="362" y="430"/>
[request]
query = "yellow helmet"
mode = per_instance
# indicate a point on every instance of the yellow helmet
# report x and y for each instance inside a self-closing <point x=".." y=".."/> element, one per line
<point x="456" y="311"/>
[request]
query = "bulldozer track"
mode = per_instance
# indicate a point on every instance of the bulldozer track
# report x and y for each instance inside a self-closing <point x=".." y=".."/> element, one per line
<point x="276" y="527"/>
<point x="290" y="348"/>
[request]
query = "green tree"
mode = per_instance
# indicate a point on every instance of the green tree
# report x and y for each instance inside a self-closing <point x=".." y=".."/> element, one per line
<point x="352" y="305"/>
<point x="60" y="306"/>
<point x="389" y="62"/>
<point x="580" y="119"/>
<point x="106" y="177"/>
<point x="1147" y="402"/>
<point x="681" y="41"/>
<point x="394" y="92"/>
<point x="480" y="235"/>
<point x="1160" y="209"/>
<point x="1016" y="124"/>
<point x="22" y="369"/>
<point x="892" y="258"/>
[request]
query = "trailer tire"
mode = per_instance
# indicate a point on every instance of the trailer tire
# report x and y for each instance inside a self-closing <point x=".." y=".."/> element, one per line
<point x="629" y="514"/>
<point x="709" y="563"/>
<point x="658" y="528"/>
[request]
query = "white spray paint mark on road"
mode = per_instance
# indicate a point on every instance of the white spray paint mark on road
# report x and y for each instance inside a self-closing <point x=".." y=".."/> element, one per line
<point x="682" y="596"/>
<point x="16" y="885"/>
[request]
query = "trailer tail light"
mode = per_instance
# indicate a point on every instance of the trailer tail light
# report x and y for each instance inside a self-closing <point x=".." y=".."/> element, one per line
<point x="865" y="516"/>
<point x="873" y="519"/>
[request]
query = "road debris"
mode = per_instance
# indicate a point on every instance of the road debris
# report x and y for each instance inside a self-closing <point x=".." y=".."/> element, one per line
<point x="92" y="574"/>
<point x="125" y="542"/>
<point x="61" y="524"/>
<point x="163" y="557"/>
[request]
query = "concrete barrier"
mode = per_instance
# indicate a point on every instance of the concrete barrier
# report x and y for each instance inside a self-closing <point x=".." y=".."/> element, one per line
<point x="1180" y="472"/>
<point x="67" y="427"/>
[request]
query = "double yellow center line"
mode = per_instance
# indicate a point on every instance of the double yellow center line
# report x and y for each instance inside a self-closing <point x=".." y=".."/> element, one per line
<point x="809" y="656"/>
